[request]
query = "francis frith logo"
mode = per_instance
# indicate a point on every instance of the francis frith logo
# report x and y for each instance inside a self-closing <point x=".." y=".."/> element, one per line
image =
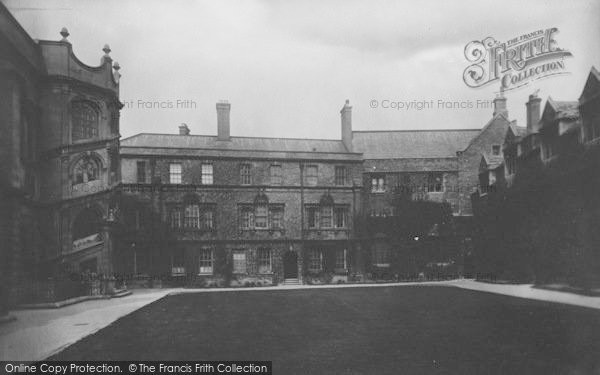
<point x="516" y="62"/>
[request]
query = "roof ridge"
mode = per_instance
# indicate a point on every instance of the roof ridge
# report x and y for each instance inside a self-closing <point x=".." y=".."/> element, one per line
<point x="236" y="136"/>
<point x="414" y="130"/>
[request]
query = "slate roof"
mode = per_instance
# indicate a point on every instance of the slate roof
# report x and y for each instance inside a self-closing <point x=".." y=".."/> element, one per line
<point x="408" y="144"/>
<point x="565" y="109"/>
<point x="190" y="145"/>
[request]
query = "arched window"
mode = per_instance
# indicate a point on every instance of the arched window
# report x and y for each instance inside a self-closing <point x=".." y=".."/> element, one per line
<point x="85" y="170"/>
<point x="84" y="121"/>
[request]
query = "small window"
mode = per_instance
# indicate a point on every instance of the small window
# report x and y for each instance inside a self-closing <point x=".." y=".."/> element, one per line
<point x="264" y="261"/>
<point x="246" y="217"/>
<point x="340" y="217"/>
<point x="175" y="173"/>
<point x="311" y="175"/>
<point x="276" y="217"/>
<point x="192" y="216"/>
<point x="207" y="219"/>
<point x="276" y="174"/>
<point x="496" y="150"/>
<point x="435" y="182"/>
<point x="312" y="217"/>
<point x="207" y="174"/>
<point x="176" y="218"/>
<point x="239" y="261"/>
<point x="178" y="263"/>
<point x="206" y="262"/>
<point x="245" y="174"/>
<point x="378" y="184"/>
<point x="261" y="216"/>
<point x="141" y="172"/>
<point x="340" y="259"/>
<point x="326" y="216"/>
<point x="315" y="261"/>
<point x="341" y="175"/>
<point x="381" y="255"/>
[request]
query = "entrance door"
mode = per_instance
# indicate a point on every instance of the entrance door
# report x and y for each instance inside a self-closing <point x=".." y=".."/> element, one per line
<point x="290" y="265"/>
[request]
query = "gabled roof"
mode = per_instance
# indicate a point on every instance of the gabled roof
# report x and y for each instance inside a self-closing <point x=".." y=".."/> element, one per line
<point x="194" y="145"/>
<point x="493" y="161"/>
<point x="562" y="109"/>
<point x="591" y="88"/>
<point x="499" y="115"/>
<point x="412" y="144"/>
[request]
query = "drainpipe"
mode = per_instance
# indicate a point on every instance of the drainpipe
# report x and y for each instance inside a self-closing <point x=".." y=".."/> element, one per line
<point x="300" y="273"/>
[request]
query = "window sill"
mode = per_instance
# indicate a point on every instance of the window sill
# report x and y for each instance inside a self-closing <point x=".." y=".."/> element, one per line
<point x="205" y="274"/>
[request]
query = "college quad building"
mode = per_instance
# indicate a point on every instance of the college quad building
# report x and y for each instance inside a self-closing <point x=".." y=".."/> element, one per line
<point x="538" y="217"/>
<point x="204" y="210"/>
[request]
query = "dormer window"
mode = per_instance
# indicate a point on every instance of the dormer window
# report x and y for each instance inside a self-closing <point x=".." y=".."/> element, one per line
<point x="495" y="150"/>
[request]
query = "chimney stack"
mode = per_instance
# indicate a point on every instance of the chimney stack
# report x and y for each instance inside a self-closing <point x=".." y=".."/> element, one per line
<point x="500" y="104"/>
<point x="184" y="130"/>
<point x="346" y="113"/>
<point x="223" y="110"/>
<point x="533" y="112"/>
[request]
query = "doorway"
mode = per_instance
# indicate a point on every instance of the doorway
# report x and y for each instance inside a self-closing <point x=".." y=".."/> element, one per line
<point x="290" y="265"/>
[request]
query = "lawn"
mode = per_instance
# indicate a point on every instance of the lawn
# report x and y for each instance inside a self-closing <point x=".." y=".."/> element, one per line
<point x="387" y="330"/>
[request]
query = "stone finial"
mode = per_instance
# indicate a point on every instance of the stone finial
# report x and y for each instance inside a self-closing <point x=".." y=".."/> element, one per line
<point x="65" y="33"/>
<point x="116" y="73"/>
<point x="106" y="56"/>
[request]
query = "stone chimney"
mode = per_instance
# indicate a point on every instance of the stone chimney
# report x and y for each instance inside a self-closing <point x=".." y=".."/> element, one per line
<point x="223" y="110"/>
<point x="184" y="130"/>
<point x="346" y="113"/>
<point x="500" y="104"/>
<point x="533" y="112"/>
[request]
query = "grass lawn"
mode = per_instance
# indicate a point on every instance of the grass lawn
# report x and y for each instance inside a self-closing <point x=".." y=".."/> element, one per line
<point x="387" y="330"/>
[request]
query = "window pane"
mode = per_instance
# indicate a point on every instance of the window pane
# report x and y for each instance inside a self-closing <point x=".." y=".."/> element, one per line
<point x="340" y="175"/>
<point x="264" y="260"/>
<point x="246" y="221"/>
<point x="239" y="261"/>
<point x="311" y="175"/>
<point x="206" y="261"/>
<point x="175" y="173"/>
<point x="312" y="217"/>
<point x="326" y="213"/>
<point x="141" y="172"/>
<point x="207" y="174"/>
<point x="435" y="182"/>
<point x="260" y="218"/>
<point x="192" y="216"/>
<point x="176" y="218"/>
<point x="340" y="217"/>
<point x="276" y="217"/>
<point x="340" y="259"/>
<point x="276" y="176"/>
<point x="315" y="261"/>
<point x="245" y="174"/>
<point x="84" y="121"/>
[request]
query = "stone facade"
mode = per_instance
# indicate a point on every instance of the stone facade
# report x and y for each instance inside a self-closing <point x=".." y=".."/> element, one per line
<point x="59" y="140"/>
<point x="539" y="223"/>
<point x="262" y="213"/>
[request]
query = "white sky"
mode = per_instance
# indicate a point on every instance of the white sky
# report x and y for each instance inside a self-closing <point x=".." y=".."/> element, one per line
<point x="287" y="67"/>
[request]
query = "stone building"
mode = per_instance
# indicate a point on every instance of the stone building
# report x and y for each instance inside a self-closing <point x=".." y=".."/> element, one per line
<point x="439" y="166"/>
<point x="59" y="162"/>
<point x="541" y="218"/>
<point x="239" y="210"/>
